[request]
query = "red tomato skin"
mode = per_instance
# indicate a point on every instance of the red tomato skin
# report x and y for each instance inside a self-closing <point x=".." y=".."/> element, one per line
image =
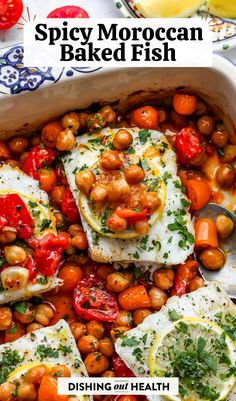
<point x="14" y="212"/>
<point x="187" y="145"/>
<point x="10" y="13"/>
<point x="69" y="208"/>
<point x="120" y="368"/>
<point x="91" y="298"/>
<point x="37" y="158"/>
<point x="68" y="12"/>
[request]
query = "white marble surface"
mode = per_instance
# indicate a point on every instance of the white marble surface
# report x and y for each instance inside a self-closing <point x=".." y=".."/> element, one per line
<point x="41" y="8"/>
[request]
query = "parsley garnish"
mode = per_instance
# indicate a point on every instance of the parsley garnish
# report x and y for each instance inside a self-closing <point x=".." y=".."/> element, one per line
<point x="143" y="136"/>
<point x="46" y="352"/>
<point x="10" y="360"/>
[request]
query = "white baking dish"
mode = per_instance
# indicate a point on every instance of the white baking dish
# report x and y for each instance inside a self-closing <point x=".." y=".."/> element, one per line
<point x="26" y="112"/>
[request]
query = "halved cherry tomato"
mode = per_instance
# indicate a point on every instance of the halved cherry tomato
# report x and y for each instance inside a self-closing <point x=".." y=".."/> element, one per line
<point x="199" y="192"/>
<point x="47" y="179"/>
<point x="38" y="157"/>
<point x="68" y="12"/>
<point x="184" y="104"/>
<point x="93" y="301"/>
<point x="184" y="275"/>
<point x="205" y="234"/>
<point x="131" y="215"/>
<point x="134" y="298"/>
<point x="70" y="275"/>
<point x="69" y="208"/>
<point x="14" y="213"/>
<point x="120" y="368"/>
<point x="48" y="252"/>
<point x="10" y="13"/>
<point x="145" y="117"/>
<point x="48" y="390"/>
<point x="187" y="145"/>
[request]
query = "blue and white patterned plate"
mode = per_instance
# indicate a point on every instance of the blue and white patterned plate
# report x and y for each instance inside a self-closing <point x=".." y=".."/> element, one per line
<point x="224" y="30"/>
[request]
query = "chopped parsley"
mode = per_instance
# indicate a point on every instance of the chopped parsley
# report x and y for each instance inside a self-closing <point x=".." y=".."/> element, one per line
<point x="46" y="352"/>
<point x="10" y="360"/>
<point x="143" y="136"/>
<point x="178" y="185"/>
<point x="166" y="176"/>
<point x="32" y="204"/>
<point x="20" y="307"/>
<point x="2" y="261"/>
<point x="128" y="342"/>
<point x="136" y="255"/>
<point x="143" y="243"/>
<point x="64" y="349"/>
<point x="42" y="280"/>
<point x="173" y="315"/>
<point x="95" y="238"/>
<point x="44" y="224"/>
<point x="180" y="226"/>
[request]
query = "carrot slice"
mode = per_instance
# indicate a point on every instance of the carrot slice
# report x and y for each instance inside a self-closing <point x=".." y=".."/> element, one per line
<point x="48" y="390"/>
<point x="134" y="298"/>
<point x="199" y="192"/>
<point x="205" y="234"/>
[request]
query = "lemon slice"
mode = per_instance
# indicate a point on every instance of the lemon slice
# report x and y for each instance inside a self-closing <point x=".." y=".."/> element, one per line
<point x="169" y="8"/>
<point x="97" y="218"/>
<point x="222" y="8"/>
<point x="201" y="354"/>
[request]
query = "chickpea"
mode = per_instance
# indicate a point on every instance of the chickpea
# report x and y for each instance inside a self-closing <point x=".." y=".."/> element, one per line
<point x="96" y="121"/>
<point x="151" y="201"/>
<point x="18" y="144"/>
<point x="6" y="390"/>
<point x="5" y="317"/>
<point x="96" y="363"/>
<point x="84" y="181"/>
<point x="33" y="326"/>
<point x="15" y="331"/>
<point x="27" y="316"/>
<point x="162" y="115"/>
<point x="108" y="373"/>
<point x="35" y="374"/>
<point x="44" y="313"/>
<point x="106" y="347"/>
<point x="229" y="153"/>
<point x="65" y="140"/>
<point x="13" y="163"/>
<point x="220" y="138"/>
<point x="124" y="318"/>
<point x="71" y="121"/>
<point x="57" y="194"/>
<point x="196" y="283"/>
<point x="116" y="223"/>
<point x="80" y="241"/>
<point x="116" y="282"/>
<point x="61" y="371"/>
<point x="122" y="139"/>
<point x="35" y="139"/>
<point x="201" y="107"/>
<point x="110" y="160"/>
<point x="119" y="190"/>
<point x="212" y="259"/>
<point x="74" y="229"/>
<point x="199" y="160"/>
<point x="87" y="344"/>
<point x="78" y="330"/>
<point x="117" y="332"/>
<point x="60" y="220"/>
<point x="14" y="254"/>
<point x="179" y="120"/>
<point x="95" y="328"/>
<point x="141" y="227"/>
<point x="23" y="157"/>
<point x="99" y="194"/>
<point x="225" y="176"/>
<point x="205" y="124"/>
<point x="82" y="260"/>
<point x="27" y="392"/>
<point x="164" y="278"/>
<point x="109" y="113"/>
<point x="140" y="315"/>
<point x="83" y="117"/>
<point x="158" y="298"/>
<point x="134" y="175"/>
<point x="104" y="270"/>
<point x="224" y="225"/>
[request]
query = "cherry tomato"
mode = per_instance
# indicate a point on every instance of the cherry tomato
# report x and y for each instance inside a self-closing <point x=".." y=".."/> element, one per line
<point x="68" y="12"/>
<point x="69" y="208"/>
<point x="10" y="13"/>
<point x="14" y="212"/>
<point x="93" y="301"/>
<point x="39" y="157"/>
<point x="187" y="145"/>
<point x="120" y="368"/>
<point x="145" y="117"/>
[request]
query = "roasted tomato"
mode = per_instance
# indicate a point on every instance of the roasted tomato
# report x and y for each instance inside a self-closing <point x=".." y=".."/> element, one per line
<point x="10" y="13"/>
<point x="93" y="301"/>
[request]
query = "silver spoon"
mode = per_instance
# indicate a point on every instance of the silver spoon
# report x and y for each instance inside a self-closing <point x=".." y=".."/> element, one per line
<point x="226" y="277"/>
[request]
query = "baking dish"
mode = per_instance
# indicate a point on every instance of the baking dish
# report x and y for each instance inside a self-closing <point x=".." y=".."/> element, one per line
<point x="27" y="112"/>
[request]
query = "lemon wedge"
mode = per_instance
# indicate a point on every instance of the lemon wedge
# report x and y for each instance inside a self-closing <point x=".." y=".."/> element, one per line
<point x="200" y="353"/>
<point x="21" y="370"/>
<point x="222" y="8"/>
<point x="169" y="8"/>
